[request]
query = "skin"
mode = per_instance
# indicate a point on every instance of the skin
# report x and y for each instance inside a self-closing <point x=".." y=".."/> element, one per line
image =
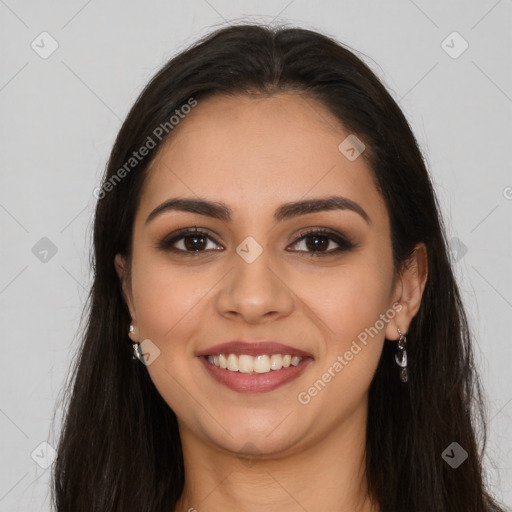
<point x="244" y="451"/>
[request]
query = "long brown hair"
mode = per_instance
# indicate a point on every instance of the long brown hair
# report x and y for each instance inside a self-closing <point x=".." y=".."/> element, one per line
<point x="120" y="448"/>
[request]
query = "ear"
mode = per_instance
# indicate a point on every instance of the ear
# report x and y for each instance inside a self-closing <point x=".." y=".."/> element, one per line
<point x="121" y="266"/>
<point x="408" y="292"/>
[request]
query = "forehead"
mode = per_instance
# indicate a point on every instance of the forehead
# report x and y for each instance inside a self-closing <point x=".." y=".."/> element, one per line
<point x="258" y="152"/>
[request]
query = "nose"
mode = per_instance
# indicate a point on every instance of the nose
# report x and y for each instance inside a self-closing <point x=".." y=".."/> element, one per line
<point x="255" y="292"/>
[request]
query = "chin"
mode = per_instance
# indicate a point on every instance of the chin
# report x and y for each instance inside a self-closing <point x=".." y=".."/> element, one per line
<point x="257" y="438"/>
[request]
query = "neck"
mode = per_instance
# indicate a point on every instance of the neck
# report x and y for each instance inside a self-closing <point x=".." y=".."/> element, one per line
<point x="329" y="474"/>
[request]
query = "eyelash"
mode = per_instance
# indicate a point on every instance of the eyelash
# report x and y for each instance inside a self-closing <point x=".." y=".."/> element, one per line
<point x="343" y="243"/>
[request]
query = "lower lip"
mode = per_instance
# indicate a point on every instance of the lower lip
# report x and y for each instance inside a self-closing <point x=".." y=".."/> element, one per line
<point x="255" y="382"/>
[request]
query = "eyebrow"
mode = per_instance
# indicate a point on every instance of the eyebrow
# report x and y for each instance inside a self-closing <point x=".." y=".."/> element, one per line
<point x="221" y="211"/>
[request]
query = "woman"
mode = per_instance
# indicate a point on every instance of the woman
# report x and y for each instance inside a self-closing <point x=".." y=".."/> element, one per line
<point x="274" y="323"/>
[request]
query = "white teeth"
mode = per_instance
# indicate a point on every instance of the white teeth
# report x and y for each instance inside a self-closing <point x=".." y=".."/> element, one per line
<point x="276" y="361"/>
<point x="245" y="364"/>
<point x="232" y="363"/>
<point x="249" y="364"/>
<point x="261" y="364"/>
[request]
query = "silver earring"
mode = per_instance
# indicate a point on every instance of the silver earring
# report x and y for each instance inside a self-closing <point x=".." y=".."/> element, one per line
<point x="137" y="352"/>
<point x="401" y="356"/>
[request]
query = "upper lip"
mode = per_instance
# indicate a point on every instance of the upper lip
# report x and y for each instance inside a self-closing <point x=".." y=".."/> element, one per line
<point x="240" y="347"/>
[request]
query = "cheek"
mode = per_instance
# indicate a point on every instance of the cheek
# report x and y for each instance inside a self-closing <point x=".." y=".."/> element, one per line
<point x="347" y="300"/>
<point x="352" y="306"/>
<point x="164" y="298"/>
<point x="167" y="302"/>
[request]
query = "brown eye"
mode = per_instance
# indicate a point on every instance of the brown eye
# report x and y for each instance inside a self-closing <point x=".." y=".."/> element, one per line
<point x="188" y="242"/>
<point x="318" y="241"/>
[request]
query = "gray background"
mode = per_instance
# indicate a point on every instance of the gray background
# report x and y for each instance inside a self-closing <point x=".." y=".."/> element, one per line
<point x="60" y="115"/>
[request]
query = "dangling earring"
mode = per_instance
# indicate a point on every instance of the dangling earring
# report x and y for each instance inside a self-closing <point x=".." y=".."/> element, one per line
<point x="401" y="356"/>
<point x="137" y="352"/>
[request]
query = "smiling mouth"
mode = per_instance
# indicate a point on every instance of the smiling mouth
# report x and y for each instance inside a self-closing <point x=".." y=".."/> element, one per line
<point x="244" y="363"/>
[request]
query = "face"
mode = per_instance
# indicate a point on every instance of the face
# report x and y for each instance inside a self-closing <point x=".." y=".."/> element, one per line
<point x="330" y="295"/>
